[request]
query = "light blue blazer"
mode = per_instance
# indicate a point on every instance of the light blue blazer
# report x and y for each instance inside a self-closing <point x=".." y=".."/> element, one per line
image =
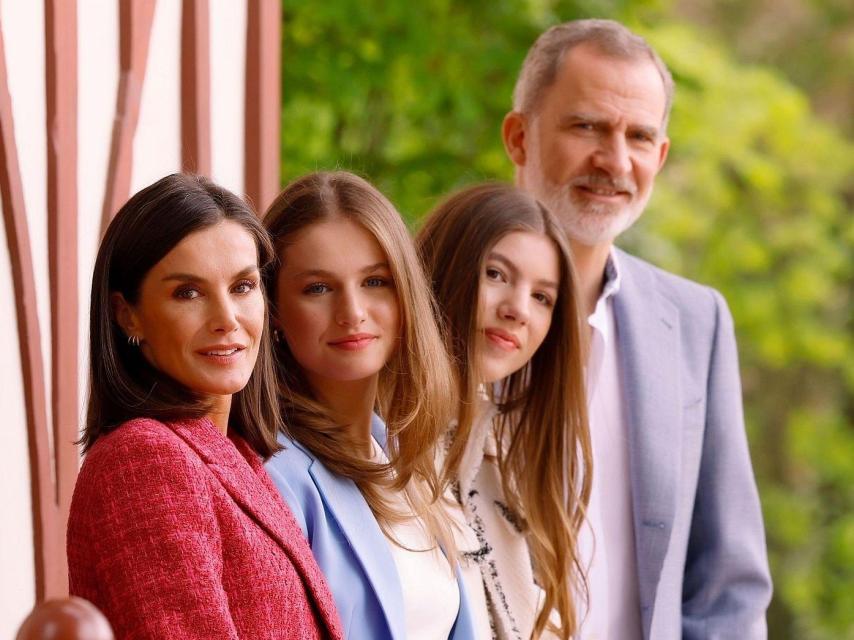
<point x="702" y="566"/>
<point x="349" y="545"/>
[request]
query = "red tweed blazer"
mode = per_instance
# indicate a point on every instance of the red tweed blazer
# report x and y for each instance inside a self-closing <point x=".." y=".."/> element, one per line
<point x="177" y="532"/>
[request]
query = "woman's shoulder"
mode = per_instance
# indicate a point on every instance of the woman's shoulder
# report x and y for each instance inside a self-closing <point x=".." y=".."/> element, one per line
<point x="132" y="433"/>
<point x="293" y="456"/>
<point x="291" y="470"/>
<point x="140" y="463"/>
<point x="143" y="443"/>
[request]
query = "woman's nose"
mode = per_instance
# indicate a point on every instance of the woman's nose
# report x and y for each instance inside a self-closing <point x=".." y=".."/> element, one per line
<point x="350" y="311"/>
<point x="515" y="307"/>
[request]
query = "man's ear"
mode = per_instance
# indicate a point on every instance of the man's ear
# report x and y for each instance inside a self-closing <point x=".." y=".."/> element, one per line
<point x="662" y="152"/>
<point x="124" y="315"/>
<point x="513" y="132"/>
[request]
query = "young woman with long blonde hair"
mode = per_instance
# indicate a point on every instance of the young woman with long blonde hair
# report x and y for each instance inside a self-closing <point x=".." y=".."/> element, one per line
<point x="365" y="384"/>
<point x="519" y="455"/>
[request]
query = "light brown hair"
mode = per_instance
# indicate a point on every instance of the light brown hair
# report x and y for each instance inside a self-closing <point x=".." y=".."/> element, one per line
<point x="610" y="38"/>
<point x="415" y="386"/>
<point x="542" y="418"/>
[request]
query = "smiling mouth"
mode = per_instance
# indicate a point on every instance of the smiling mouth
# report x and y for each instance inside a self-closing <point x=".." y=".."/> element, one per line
<point x="226" y="352"/>
<point x="354" y="343"/>
<point x="603" y="191"/>
<point x="225" y="355"/>
<point x="502" y="339"/>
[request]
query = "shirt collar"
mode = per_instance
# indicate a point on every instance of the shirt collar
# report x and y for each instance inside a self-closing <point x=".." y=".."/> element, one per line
<point x="609" y="290"/>
<point x="601" y="321"/>
<point x="612" y="277"/>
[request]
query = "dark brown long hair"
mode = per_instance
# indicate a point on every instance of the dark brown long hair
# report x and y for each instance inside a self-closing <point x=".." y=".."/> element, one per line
<point x="542" y="417"/>
<point x="122" y="383"/>
<point x="415" y="388"/>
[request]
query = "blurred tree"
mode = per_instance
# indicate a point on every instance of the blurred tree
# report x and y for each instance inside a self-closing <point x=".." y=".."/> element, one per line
<point x="410" y="94"/>
<point x="755" y="200"/>
<point x="812" y="41"/>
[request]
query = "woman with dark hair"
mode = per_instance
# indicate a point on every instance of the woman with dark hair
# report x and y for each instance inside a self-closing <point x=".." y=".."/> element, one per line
<point x="365" y="394"/>
<point x="519" y="453"/>
<point x="175" y="529"/>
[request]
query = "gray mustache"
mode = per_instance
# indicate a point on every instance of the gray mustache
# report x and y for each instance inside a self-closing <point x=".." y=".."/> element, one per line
<point x="595" y="181"/>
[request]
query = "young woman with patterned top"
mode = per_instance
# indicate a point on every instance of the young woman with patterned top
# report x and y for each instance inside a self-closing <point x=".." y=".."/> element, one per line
<point x="519" y="453"/>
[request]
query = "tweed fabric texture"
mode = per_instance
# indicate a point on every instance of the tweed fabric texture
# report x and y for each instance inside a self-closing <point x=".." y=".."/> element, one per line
<point x="177" y="532"/>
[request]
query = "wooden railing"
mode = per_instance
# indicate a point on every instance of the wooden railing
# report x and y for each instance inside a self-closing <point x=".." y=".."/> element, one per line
<point x="65" y="619"/>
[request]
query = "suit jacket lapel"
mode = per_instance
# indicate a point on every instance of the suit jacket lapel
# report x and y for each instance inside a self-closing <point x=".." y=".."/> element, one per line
<point x="649" y="351"/>
<point x="359" y="525"/>
<point x="246" y="481"/>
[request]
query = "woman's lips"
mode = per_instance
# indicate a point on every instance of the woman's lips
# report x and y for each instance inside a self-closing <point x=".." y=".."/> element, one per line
<point x="502" y="339"/>
<point x="224" y="355"/>
<point x="355" y="342"/>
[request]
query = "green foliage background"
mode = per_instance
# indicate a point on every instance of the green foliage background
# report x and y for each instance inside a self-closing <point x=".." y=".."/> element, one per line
<point x="755" y="200"/>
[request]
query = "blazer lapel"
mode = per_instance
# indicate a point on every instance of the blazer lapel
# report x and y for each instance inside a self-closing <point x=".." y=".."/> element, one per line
<point x="241" y="473"/>
<point x="359" y="525"/>
<point x="648" y="331"/>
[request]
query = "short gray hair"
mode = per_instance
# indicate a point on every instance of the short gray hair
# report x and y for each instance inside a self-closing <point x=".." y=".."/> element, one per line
<point x="609" y="37"/>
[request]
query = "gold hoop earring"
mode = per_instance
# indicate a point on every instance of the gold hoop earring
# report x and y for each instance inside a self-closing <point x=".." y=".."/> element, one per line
<point x="133" y="340"/>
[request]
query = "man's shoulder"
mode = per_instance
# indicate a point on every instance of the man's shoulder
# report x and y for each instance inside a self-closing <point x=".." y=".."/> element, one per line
<point x="687" y="295"/>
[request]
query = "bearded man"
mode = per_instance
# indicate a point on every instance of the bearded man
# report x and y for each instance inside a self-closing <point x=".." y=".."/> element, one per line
<point x="675" y="545"/>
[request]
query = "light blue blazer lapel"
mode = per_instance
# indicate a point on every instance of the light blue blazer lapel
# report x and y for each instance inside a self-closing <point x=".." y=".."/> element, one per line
<point x="648" y="331"/>
<point x="379" y="432"/>
<point x="367" y="541"/>
<point x="464" y="626"/>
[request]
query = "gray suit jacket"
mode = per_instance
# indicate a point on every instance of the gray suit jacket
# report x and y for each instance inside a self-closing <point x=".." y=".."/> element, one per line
<point x="699" y="538"/>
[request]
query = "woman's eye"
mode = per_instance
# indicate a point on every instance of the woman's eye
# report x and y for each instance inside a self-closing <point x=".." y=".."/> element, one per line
<point x="494" y="274"/>
<point x="316" y="289"/>
<point x="376" y="282"/>
<point x="542" y="298"/>
<point x="187" y="293"/>
<point x="245" y="286"/>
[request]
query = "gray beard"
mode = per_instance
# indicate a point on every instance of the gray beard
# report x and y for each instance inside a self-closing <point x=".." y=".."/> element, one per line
<point x="588" y="223"/>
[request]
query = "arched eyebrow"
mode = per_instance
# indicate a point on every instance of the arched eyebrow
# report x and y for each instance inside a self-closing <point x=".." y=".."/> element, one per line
<point x="191" y="277"/>
<point x="376" y="267"/>
<point x="322" y="273"/>
<point x="511" y="267"/>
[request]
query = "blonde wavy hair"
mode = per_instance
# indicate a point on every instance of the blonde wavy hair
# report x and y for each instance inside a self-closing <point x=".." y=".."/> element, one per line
<point x="542" y="417"/>
<point x="415" y="388"/>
